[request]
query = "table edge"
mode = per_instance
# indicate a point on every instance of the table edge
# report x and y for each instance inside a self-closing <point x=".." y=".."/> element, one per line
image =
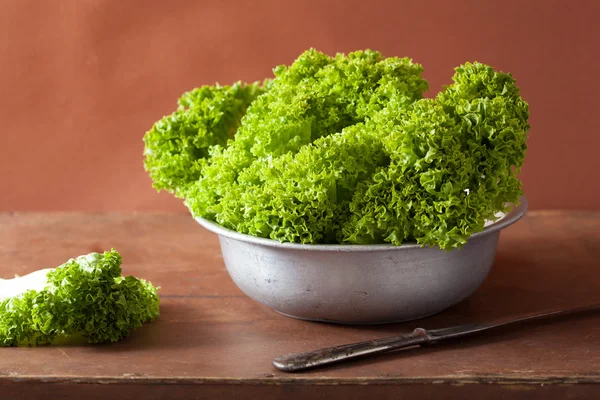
<point x="269" y="379"/>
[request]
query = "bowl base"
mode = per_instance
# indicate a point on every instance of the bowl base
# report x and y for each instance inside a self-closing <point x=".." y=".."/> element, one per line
<point x="329" y="321"/>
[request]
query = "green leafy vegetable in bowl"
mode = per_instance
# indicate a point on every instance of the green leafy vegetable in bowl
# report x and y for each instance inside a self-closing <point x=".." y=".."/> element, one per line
<point x="345" y="149"/>
<point x="178" y="146"/>
<point x="86" y="296"/>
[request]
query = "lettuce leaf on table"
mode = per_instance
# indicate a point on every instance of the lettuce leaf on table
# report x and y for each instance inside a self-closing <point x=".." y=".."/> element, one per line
<point x="86" y="296"/>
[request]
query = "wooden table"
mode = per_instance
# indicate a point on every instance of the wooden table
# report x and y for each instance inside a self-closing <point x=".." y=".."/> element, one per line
<point x="213" y="342"/>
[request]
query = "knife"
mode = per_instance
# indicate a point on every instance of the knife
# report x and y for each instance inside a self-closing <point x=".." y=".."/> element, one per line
<point x="418" y="337"/>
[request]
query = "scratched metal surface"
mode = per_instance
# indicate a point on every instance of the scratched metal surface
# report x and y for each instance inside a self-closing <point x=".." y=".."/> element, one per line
<point x="210" y="332"/>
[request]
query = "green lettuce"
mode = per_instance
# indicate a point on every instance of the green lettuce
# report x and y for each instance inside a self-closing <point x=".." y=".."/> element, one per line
<point x="298" y="127"/>
<point x="178" y="146"/>
<point x="86" y="296"/>
<point x="345" y="149"/>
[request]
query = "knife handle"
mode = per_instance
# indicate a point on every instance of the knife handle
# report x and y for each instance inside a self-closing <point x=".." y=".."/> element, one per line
<point x="300" y="361"/>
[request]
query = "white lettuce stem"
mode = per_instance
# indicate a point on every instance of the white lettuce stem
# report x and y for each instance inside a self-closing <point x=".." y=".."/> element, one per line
<point x="13" y="287"/>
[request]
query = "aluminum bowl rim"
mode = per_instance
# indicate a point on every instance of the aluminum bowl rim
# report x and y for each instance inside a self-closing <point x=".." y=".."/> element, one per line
<point x="506" y="220"/>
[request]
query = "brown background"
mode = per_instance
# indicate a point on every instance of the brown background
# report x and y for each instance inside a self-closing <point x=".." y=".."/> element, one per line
<point x="81" y="81"/>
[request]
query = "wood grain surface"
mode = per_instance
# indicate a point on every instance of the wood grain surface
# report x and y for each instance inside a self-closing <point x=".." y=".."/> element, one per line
<point x="211" y="341"/>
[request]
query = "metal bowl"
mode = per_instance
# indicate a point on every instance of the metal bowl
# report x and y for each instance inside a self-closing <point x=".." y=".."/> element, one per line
<point x="359" y="284"/>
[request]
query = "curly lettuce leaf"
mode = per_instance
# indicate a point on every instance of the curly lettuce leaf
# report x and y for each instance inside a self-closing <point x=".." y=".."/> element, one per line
<point x="303" y="196"/>
<point x="178" y="146"/>
<point x="86" y="296"/>
<point x="454" y="165"/>
<point x="286" y="129"/>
